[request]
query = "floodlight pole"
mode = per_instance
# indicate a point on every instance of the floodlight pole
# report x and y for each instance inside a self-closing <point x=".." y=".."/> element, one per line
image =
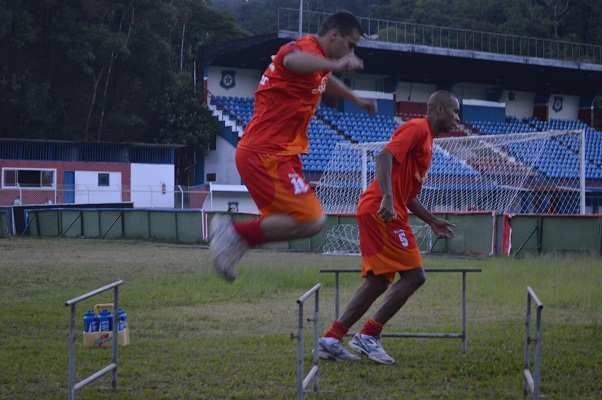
<point x="300" y="18"/>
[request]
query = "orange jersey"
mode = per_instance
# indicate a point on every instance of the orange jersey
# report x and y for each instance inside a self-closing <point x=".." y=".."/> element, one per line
<point x="411" y="146"/>
<point x="284" y="104"/>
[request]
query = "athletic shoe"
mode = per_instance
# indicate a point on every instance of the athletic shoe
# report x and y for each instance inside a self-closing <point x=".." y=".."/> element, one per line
<point x="226" y="247"/>
<point x="371" y="347"/>
<point x="332" y="349"/>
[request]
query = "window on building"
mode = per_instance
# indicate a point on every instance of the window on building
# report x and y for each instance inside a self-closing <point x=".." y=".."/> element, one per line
<point x="211" y="178"/>
<point x="103" y="179"/>
<point x="28" y="178"/>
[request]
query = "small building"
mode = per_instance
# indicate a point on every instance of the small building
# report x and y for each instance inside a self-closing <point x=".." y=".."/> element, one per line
<point x="64" y="172"/>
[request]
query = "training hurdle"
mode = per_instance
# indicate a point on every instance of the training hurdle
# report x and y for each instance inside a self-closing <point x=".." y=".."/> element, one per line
<point x="314" y="374"/>
<point x="532" y="380"/>
<point x="72" y="385"/>
<point x="428" y="335"/>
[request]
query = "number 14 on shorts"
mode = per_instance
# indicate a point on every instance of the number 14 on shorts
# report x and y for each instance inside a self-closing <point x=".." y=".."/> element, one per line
<point x="298" y="183"/>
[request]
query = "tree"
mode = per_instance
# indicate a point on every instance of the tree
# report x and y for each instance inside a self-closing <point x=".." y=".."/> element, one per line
<point x="91" y="69"/>
<point x="180" y="118"/>
<point x="557" y="9"/>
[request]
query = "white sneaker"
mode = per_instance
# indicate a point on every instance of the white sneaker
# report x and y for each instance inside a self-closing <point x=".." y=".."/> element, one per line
<point x="226" y="247"/>
<point x="371" y="347"/>
<point x="332" y="349"/>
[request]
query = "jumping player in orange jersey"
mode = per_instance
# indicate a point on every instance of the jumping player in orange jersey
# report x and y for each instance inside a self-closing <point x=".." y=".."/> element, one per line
<point x="387" y="244"/>
<point x="267" y="157"/>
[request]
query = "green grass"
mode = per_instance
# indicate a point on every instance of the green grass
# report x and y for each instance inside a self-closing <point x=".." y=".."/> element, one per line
<point x="196" y="337"/>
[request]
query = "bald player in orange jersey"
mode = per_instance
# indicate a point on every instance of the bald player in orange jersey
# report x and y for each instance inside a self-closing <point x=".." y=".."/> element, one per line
<point x="388" y="246"/>
<point x="267" y="156"/>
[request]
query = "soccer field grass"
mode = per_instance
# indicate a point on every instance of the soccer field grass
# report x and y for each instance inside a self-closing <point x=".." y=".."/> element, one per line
<point x="196" y="337"/>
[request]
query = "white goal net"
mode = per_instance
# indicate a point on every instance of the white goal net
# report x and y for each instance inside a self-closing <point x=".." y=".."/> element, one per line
<point x="343" y="239"/>
<point x="540" y="172"/>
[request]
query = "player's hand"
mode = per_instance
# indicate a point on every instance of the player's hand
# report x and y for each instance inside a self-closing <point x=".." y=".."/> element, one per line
<point x="350" y="62"/>
<point x="386" y="211"/>
<point x="368" y="105"/>
<point x="443" y="228"/>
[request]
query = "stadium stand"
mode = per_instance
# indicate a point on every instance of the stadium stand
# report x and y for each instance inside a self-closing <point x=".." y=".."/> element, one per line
<point x="359" y="126"/>
<point x="331" y="126"/>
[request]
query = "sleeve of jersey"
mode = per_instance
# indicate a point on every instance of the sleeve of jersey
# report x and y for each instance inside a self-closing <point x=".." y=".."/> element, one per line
<point x="289" y="48"/>
<point x="403" y="142"/>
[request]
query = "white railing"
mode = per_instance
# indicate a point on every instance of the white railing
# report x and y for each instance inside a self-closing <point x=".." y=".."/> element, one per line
<point x="450" y="38"/>
<point x="153" y="196"/>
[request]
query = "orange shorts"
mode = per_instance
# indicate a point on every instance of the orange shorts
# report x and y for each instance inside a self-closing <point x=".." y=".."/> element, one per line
<point x="277" y="185"/>
<point x="387" y="248"/>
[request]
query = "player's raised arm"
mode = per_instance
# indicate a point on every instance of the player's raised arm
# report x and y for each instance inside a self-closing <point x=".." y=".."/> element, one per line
<point x="302" y="62"/>
<point x="337" y="88"/>
<point x="337" y="39"/>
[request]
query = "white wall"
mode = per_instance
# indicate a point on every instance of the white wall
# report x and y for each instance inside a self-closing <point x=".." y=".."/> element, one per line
<point x="221" y="163"/>
<point x="246" y="81"/>
<point x="88" y="191"/>
<point x="414" y="92"/>
<point x="147" y="182"/>
<point x="522" y="105"/>
<point x="218" y="201"/>
<point x="570" y="107"/>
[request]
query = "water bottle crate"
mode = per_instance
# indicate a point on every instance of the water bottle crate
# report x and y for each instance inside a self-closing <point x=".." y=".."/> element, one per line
<point x="98" y="326"/>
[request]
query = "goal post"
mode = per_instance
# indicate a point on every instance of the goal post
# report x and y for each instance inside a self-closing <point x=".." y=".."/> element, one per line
<point x="542" y="172"/>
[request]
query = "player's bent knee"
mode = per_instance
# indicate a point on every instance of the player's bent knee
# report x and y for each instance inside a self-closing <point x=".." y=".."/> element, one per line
<point x="420" y="277"/>
<point x="313" y="227"/>
<point x="378" y="282"/>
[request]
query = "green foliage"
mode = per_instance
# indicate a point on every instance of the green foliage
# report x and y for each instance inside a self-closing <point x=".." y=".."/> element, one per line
<point x="92" y="70"/>
<point x="181" y="119"/>
<point x="98" y="69"/>
<point x="576" y="20"/>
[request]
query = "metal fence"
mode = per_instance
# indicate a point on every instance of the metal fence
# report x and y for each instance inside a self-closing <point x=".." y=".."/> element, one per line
<point x="171" y="225"/>
<point x="451" y="38"/>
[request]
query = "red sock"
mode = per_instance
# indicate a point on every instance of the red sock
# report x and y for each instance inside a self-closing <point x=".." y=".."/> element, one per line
<point x="372" y="328"/>
<point x="251" y="232"/>
<point x="337" y="330"/>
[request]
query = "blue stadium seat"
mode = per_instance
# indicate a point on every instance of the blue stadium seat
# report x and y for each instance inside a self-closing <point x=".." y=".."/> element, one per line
<point x="559" y="158"/>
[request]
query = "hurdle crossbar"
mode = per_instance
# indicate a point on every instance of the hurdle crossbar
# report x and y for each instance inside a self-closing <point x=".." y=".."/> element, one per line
<point x="428" y="335"/>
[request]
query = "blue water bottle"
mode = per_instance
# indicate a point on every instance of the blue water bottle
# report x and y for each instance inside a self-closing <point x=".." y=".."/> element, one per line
<point x="106" y="320"/>
<point x="91" y="321"/>
<point x="123" y="319"/>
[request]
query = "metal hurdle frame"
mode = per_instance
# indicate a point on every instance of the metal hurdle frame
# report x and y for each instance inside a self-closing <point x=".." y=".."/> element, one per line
<point x="532" y="380"/>
<point x="314" y="374"/>
<point x="74" y="386"/>
<point x="429" y="335"/>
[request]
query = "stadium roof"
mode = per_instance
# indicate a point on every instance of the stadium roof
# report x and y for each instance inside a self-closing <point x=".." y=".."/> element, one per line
<point x="63" y="150"/>
<point x="426" y="64"/>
